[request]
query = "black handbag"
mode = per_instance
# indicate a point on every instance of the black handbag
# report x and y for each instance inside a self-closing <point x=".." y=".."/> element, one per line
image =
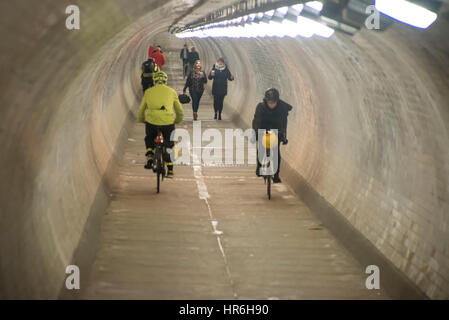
<point x="183" y="98"/>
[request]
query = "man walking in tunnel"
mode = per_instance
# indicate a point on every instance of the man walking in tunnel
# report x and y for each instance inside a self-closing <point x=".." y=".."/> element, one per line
<point x="184" y="55"/>
<point x="157" y="111"/>
<point x="271" y="114"/>
<point x="193" y="56"/>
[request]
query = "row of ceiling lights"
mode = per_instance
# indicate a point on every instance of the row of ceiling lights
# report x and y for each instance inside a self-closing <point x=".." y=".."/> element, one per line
<point x="302" y="20"/>
<point x="281" y="22"/>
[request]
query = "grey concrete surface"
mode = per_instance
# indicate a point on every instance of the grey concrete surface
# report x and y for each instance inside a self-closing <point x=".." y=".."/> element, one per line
<point x="369" y="134"/>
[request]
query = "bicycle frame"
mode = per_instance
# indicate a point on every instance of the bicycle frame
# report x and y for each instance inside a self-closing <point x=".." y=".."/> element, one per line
<point x="266" y="164"/>
<point x="159" y="163"/>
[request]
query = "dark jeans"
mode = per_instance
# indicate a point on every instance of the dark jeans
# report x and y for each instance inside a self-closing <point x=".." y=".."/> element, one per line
<point x="151" y="134"/>
<point x="196" y="97"/>
<point x="185" y="67"/>
<point x="218" y="103"/>
<point x="259" y="146"/>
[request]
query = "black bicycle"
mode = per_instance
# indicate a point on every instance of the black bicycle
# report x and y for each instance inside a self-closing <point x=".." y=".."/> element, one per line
<point x="158" y="162"/>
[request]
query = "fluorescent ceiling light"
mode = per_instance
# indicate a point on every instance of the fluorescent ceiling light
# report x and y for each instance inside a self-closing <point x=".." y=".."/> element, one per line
<point x="298" y="7"/>
<point x="277" y="29"/>
<point x="252" y="30"/>
<point x="282" y="10"/>
<point x="269" y="13"/>
<point x="292" y="30"/>
<point x="316" y="27"/>
<point x="317" y="5"/>
<point x="407" y="12"/>
<point x="269" y="29"/>
<point x="259" y="30"/>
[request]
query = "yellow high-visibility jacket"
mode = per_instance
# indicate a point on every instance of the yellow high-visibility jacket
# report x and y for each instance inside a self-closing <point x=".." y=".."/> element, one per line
<point x="159" y="105"/>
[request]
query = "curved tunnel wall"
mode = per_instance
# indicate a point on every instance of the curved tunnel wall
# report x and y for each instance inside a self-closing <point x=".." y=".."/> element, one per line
<point x="369" y="129"/>
<point x="67" y="99"/>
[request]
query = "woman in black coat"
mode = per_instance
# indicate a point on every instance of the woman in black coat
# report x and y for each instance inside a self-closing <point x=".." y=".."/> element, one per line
<point x="195" y="82"/>
<point x="221" y="74"/>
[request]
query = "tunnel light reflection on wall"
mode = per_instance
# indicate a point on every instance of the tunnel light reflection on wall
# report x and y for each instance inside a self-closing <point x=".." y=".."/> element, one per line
<point x="263" y="26"/>
<point x="407" y="12"/>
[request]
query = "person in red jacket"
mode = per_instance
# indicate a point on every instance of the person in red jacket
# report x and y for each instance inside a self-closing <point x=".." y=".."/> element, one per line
<point x="157" y="55"/>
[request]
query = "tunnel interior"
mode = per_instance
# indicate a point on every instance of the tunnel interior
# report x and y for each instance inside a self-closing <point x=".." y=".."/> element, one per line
<point x="368" y="134"/>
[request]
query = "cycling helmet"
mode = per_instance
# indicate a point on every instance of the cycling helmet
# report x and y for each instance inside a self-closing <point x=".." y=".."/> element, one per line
<point x="160" y="77"/>
<point x="271" y="95"/>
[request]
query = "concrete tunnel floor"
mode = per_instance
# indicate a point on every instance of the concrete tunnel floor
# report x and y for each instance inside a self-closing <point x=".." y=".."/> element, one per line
<point x="232" y="244"/>
<point x="366" y="171"/>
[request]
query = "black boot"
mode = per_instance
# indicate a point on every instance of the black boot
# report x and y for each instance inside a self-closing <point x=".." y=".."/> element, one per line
<point x="215" y="116"/>
<point x="276" y="178"/>
<point x="219" y="116"/>
<point x="170" y="171"/>
<point x="149" y="164"/>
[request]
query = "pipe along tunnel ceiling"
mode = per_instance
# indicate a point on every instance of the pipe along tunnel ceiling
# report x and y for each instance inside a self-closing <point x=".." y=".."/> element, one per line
<point x="369" y="131"/>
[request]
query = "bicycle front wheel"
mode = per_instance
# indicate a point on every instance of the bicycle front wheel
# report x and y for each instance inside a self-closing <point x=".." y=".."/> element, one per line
<point x="269" y="188"/>
<point x="159" y="171"/>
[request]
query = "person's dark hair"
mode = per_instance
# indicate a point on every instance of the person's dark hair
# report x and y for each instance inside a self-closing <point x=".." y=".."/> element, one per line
<point x="271" y="95"/>
<point x="221" y="59"/>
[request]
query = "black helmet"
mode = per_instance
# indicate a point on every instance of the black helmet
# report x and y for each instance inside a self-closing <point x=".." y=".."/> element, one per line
<point x="272" y="95"/>
<point x="149" y="67"/>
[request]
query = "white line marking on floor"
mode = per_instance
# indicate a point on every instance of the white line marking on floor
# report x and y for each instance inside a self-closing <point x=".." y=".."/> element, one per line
<point x="204" y="195"/>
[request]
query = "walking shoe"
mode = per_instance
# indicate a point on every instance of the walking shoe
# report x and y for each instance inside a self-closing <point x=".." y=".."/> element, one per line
<point x="195" y="116"/>
<point x="276" y="179"/>
<point x="215" y="116"/>
<point x="170" y="173"/>
<point x="219" y="116"/>
<point x="149" y="164"/>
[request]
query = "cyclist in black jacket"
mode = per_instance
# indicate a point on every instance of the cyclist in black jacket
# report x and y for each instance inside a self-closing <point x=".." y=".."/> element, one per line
<point x="148" y="68"/>
<point x="270" y="114"/>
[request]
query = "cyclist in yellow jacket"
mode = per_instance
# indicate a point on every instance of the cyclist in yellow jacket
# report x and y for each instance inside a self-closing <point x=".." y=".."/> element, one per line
<point x="157" y="111"/>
